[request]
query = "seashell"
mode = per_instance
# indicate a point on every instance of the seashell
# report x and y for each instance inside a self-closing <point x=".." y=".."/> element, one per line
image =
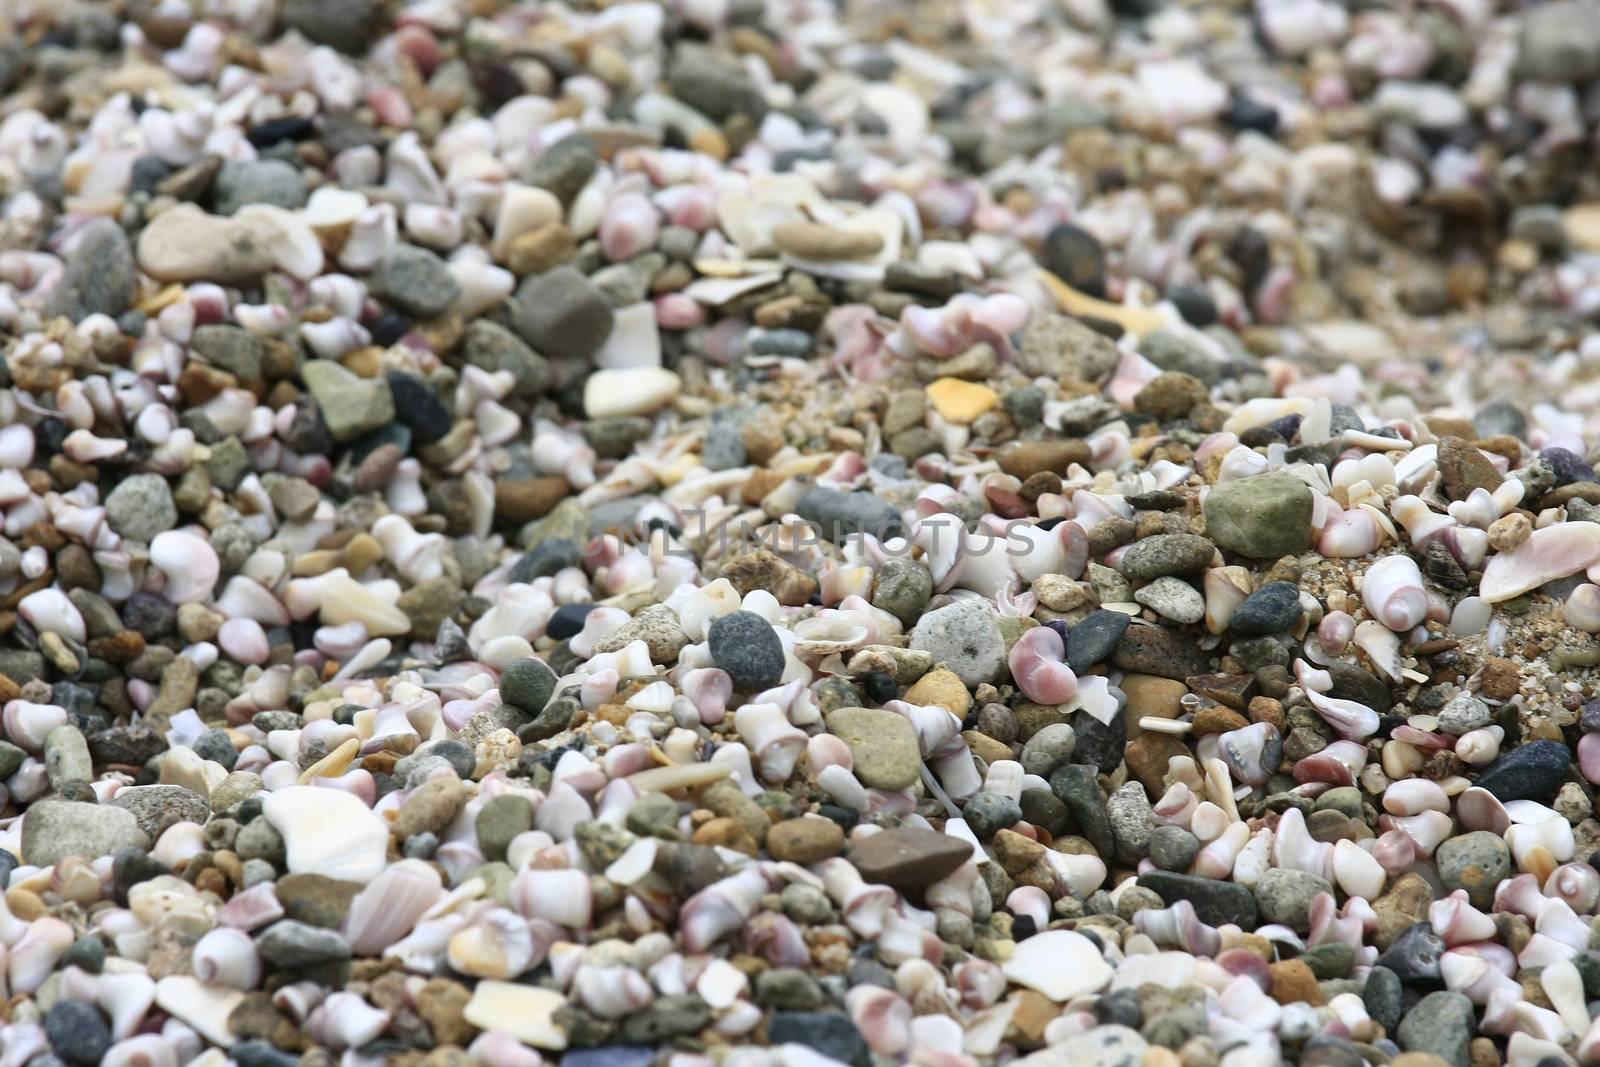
<point x="1576" y="883"/>
<point x="1582" y="609"/>
<point x="31" y="959"/>
<point x="1350" y="534"/>
<point x="1394" y="851"/>
<point x="1295" y="848"/>
<point x="252" y="908"/>
<point x="775" y="743"/>
<point x="724" y="906"/>
<point x="1255" y="858"/>
<point x="1382" y="646"/>
<point x="1038" y="664"/>
<point x="227" y="956"/>
<point x="863" y="906"/>
<point x="1564" y="987"/>
<point x="499" y="944"/>
<point x="1548" y="554"/>
<point x="1225" y="589"/>
<point x="1393" y="592"/>
<point x="563" y="897"/>
<point x="328" y="832"/>
<point x="1177" y="806"/>
<point x="1335" y="632"/>
<point x="1415" y="795"/>
<point x="1473" y="976"/>
<point x="1252" y="753"/>
<point x="346" y="1021"/>
<point x="1356" y="871"/>
<point x="1456" y="921"/>
<point x="1426" y="829"/>
<point x="1216" y="860"/>
<point x="1479" y="748"/>
<point x="49" y="611"/>
<point x="1178" y="927"/>
<point x="775" y="938"/>
<point x="882" y="1016"/>
<point x="613" y="992"/>
<point x="388" y="908"/>
<point x="142" y="1050"/>
<point x="1351" y="720"/>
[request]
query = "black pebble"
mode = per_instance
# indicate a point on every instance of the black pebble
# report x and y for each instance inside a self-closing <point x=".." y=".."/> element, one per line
<point x="419" y="407"/>
<point x="1247" y="114"/>
<point x="294" y="128"/>
<point x="1194" y="304"/>
<point x="389" y="327"/>
<point x="1074" y="255"/>
<point x="568" y="621"/>
<point x="880" y="688"/>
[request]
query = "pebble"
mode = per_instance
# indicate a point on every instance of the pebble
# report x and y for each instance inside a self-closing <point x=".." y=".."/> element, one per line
<point x="1166" y="554"/>
<point x="1477" y="862"/>
<point x="100" y="276"/>
<point x="78" y="1033"/>
<point x="882" y="743"/>
<point x="908" y="856"/>
<point x="141" y="506"/>
<point x="55" y="829"/>
<point x="745" y="645"/>
<point x="1264" y="516"/>
<point x="633" y="391"/>
<point x="1441" y="1023"/>
<point x="416" y="281"/>
<point x="1172" y="598"/>
<point x="184" y="244"/>
<point x="257" y="181"/>
<point x="561" y="314"/>
<point x="350" y="405"/>
<point x="964" y="637"/>
<point x="805" y="840"/>
<point x="1534" y="771"/>
<point x="1273" y="608"/>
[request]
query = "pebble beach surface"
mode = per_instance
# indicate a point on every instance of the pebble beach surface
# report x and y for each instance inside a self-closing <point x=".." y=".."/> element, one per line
<point x="724" y="534"/>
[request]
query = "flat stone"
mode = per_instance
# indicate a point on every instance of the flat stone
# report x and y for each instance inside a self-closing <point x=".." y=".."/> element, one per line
<point x="908" y="857"/>
<point x="883" y="744"/>
<point x="184" y="244"/>
<point x="55" y="829"/>
<point x="351" y="405"/>
<point x="1215" y="903"/>
<point x="1534" y="771"/>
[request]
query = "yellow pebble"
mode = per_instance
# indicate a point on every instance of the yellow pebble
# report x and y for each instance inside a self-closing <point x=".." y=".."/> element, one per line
<point x="1583" y="226"/>
<point x="960" y="401"/>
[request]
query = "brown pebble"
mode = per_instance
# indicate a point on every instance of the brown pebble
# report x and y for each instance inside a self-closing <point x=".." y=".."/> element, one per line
<point x="1217" y="720"/>
<point x="1500" y="679"/>
<point x="1293" y="982"/>
<point x="727" y="833"/>
<point x="1463" y="468"/>
<point x="525" y="499"/>
<point x="1426" y="1059"/>
<point x="761" y="569"/>
<point x="1481" y="1053"/>
<point x="806" y="840"/>
<point x="908" y="857"/>
<point x="440" y="1003"/>
<point x="1027" y="458"/>
<point x="1147" y="759"/>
